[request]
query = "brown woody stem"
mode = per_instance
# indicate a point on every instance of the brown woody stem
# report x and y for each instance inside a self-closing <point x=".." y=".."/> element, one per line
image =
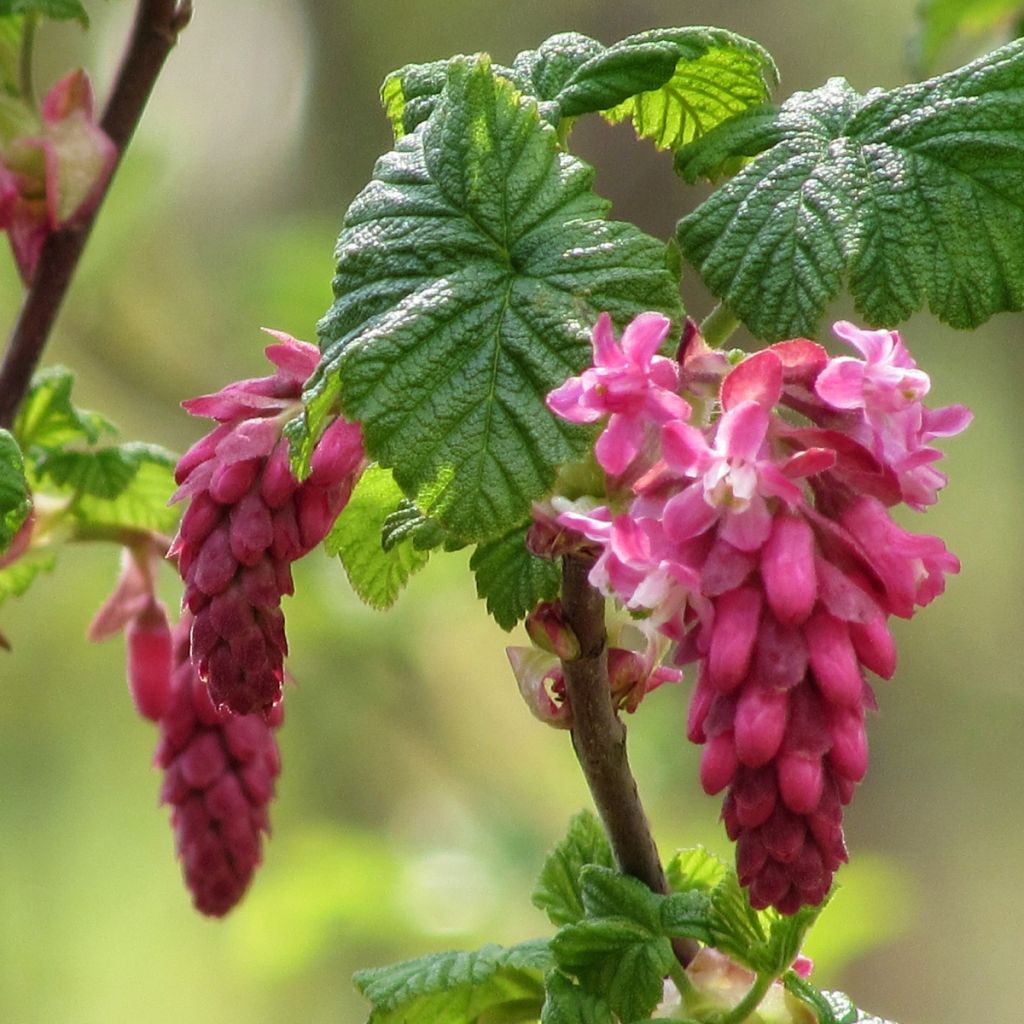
<point x="156" y="28"/>
<point x="599" y="738"/>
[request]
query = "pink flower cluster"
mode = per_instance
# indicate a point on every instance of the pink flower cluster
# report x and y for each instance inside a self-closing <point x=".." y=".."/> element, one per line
<point x="220" y="773"/>
<point x="249" y="519"/>
<point x="54" y="168"/>
<point x="761" y="543"/>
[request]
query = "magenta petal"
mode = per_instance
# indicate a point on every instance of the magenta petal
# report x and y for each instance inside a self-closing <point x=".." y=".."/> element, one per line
<point x="684" y="448"/>
<point x="841" y="383"/>
<point x="619" y="444"/>
<point x="749" y="529"/>
<point x="946" y="421"/>
<point x="787" y="569"/>
<point x="833" y="660"/>
<point x="875" y="346"/>
<point x="809" y="462"/>
<point x="737" y="615"/>
<point x="606" y="350"/>
<point x="250" y="439"/>
<point x="687" y="514"/>
<point x="760" y="724"/>
<point x="643" y="335"/>
<point x="297" y="359"/>
<point x="741" y="431"/>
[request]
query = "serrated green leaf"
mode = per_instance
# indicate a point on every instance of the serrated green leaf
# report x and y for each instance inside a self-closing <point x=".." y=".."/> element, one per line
<point x="617" y="959"/>
<point x="410" y="94"/>
<point x="607" y="893"/>
<point x="142" y="503"/>
<point x="940" y="21"/>
<point x="19" y="576"/>
<point x="916" y="196"/>
<point x="459" y="988"/>
<point x="714" y="76"/>
<point x="558" y="891"/>
<point x="101" y="472"/>
<point x="830" y="1007"/>
<point x="470" y="272"/>
<point x="58" y="10"/>
<point x="686" y="914"/>
<point x="377" y="574"/>
<point x="511" y="579"/>
<point x="567" y="1003"/>
<point x="695" y="870"/>
<point x="15" y="502"/>
<point x="408" y="522"/>
<point x="47" y="417"/>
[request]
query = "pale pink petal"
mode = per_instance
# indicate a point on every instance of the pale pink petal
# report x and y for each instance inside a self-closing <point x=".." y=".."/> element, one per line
<point x="688" y="514"/>
<point x="741" y="431"/>
<point x="619" y="444"/>
<point x="749" y="529"/>
<point x="841" y="383"/>
<point x="758" y="378"/>
<point x="685" y="448"/>
<point x="643" y="335"/>
<point x="606" y="350"/>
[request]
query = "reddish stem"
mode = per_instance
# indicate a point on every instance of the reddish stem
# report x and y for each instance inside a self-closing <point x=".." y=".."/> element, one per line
<point x="599" y="738"/>
<point x="154" y="33"/>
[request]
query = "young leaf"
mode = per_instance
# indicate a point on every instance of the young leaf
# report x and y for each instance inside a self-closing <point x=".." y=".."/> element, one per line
<point x="763" y="940"/>
<point x="408" y="522"/>
<point x="377" y="574"/>
<point x="142" y="503"/>
<point x="916" y="196"/>
<point x="511" y="579"/>
<point x="14" y="496"/>
<point x="557" y="891"/>
<point x="58" y="10"/>
<point x="716" y="75"/>
<point x="567" y="1003"/>
<point x="830" y="1007"/>
<point x="48" y="418"/>
<point x="470" y="272"/>
<point x="101" y="472"/>
<point x="941" y="20"/>
<point x="458" y="988"/>
<point x="19" y="575"/>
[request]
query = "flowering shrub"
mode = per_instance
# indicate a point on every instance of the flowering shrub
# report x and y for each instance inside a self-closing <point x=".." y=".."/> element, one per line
<point x="503" y="368"/>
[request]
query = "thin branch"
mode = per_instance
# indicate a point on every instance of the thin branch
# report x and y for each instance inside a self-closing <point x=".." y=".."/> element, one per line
<point x="156" y="29"/>
<point x="599" y="738"/>
<point x="719" y="325"/>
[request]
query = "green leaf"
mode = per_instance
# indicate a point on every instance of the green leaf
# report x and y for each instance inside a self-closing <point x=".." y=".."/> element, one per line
<point x="940" y="21"/>
<point x="15" y="502"/>
<point x="470" y="273"/>
<point x="695" y="870"/>
<point x="142" y="503"/>
<point x="567" y="1003"/>
<point x="377" y="574"/>
<point x="915" y="196"/>
<point x="714" y="76"/>
<point x="511" y="579"/>
<point x="102" y="472"/>
<point x="58" y="10"/>
<point x="459" y="988"/>
<point x="48" y="418"/>
<point x="19" y="576"/>
<point x="558" y="891"/>
<point x="11" y="30"/>
<point x="830" y="1007"/>
<point x="617" y="959"/>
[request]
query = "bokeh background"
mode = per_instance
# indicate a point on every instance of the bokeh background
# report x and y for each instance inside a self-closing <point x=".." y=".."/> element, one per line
<point x="418" y="796"/>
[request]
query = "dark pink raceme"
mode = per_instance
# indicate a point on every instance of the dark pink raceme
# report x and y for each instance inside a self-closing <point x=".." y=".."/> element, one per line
<point x="762" y="544"/>
<point x="220" y="774"/>
<point x="249" y="519"/>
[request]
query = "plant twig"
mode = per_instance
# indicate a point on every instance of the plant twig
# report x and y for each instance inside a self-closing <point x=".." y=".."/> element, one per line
<point x="718" y="326"/>
<point x="599" y="738"/>
<point x="156" y="29"/>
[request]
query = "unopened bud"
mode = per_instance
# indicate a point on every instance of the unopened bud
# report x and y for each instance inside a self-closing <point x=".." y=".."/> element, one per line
<point x="541" y="685"/>
<point x="548" y="629"/>
<point x="149" y="661"/>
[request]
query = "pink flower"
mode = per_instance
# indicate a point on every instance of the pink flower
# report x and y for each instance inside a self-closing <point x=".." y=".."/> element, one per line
<point x="888" y="389"/>
<point x="628" y="383"/>
<point x="54" y="177"/>
<point x="220" y="771"/>
<point x="249" y="519"/>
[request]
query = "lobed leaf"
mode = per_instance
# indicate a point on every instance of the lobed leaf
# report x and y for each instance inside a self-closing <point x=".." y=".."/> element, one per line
<point x="377" y="573"/>
<point x="714" y="75"/>
<point x="511" y="579"/>
<point x="558" y="891"/>
<point x="470" y="271"/>
<point x="914" y="196"/>
<point x="17" y="577"/>
<point x="568" y="1003"/>
<point x="15" y="502"/>
<point x="142" y="503"/>
<point x="47" y="417"/>
<point x="830" y="1007"/>
<point x="459" y="987"/>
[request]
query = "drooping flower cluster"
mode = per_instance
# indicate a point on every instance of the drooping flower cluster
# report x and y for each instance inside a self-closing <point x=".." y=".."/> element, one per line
<point x="249" y="519"/>
<point x="53" y="168"/>
<point x="762" y="544"/>
<point x="220" y="774"/>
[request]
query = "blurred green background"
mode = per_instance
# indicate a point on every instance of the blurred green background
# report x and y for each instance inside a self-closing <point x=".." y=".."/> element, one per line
<point x="418" y="796"/>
